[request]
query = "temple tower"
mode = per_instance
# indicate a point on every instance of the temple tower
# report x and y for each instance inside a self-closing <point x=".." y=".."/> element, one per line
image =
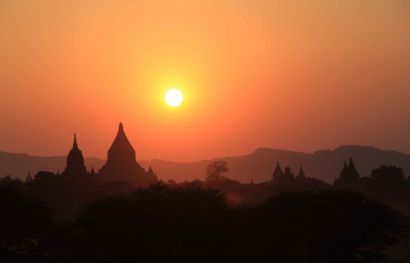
<point x="301" y="174"/>
<point x="121" y="165"/>
<point x="278" y="173"/>
<point x="75" y="161"/>
<point x="349" y="177"/>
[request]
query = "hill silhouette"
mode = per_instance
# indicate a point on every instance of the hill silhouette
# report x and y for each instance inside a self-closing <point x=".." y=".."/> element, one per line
<point x="256" y="166"/>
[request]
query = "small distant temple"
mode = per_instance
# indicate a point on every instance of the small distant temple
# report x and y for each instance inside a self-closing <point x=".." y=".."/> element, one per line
<point x="301" y="174"/>
<point x="75" y="161"/>
<point x="278" y="173"/>
<point x="121" y="165"/>
<point x="349" y="175"/>
<point x="280" y="177"/>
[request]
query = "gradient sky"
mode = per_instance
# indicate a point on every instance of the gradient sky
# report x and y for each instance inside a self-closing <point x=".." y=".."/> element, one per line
<point x="299" y="75"/>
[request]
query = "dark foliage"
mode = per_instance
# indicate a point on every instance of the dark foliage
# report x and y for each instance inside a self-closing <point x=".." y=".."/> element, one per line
<point x="23" y="223"/>
<point x="186" y="223"/>
<point x="326" y="227"/>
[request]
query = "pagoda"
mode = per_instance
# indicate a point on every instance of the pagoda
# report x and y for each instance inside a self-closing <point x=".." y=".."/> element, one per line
<point x="121" y="165"/>
<point x="75" y="161"/>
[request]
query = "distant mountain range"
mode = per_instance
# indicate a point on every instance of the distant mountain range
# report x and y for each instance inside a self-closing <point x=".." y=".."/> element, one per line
<point x="256" y="166"/>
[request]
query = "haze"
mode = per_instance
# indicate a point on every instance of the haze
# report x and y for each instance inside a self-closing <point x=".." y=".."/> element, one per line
<point x="299" y="75"/>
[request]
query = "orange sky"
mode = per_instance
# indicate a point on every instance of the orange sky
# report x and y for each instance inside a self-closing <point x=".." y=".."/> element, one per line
<point x="299" y="75"/>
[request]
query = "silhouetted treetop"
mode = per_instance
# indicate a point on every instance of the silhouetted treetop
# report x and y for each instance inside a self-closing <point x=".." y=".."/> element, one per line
<point x="215" y="170"/>
<point x="388" y="176"/>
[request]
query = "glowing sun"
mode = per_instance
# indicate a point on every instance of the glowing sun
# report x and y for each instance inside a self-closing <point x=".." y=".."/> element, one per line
<point x="174" y="97"/>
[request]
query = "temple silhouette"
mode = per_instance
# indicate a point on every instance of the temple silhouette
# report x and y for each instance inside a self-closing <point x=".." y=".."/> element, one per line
<point x="280" y="176"/>
<point x="75" y="161"/>
<point x="121" y="165"/>
<point x="349" y="177"/>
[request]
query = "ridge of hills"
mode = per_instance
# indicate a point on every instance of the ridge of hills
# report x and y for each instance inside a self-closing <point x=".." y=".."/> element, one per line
<point x="256" y="166"/>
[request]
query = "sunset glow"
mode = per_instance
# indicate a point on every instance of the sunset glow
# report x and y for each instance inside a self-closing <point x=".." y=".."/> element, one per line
<point x="301" y="75"/>
<point x="204" y="131"/>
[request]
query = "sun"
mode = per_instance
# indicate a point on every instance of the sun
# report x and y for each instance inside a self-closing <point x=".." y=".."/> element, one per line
<point x="174" y="97"/>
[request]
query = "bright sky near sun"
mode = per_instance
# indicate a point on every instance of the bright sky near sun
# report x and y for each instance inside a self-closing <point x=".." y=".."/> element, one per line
<point x="295" y="74"/>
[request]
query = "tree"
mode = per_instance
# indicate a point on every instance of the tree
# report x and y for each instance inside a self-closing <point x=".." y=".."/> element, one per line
<point x="387" y="176"/>
<point x="330" y="226"/>
<point x="215" y="170"/>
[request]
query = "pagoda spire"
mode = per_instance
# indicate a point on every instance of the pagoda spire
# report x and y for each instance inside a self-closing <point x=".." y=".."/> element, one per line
<point x="121" y="147"/>
<point x="278" y="172"/>
<point x="121" y="132"/>
<point x="150" y="169"/>
<point x="301" y="173"/>
<point x="75" y="145"/>
<point x="352" y="169"/>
